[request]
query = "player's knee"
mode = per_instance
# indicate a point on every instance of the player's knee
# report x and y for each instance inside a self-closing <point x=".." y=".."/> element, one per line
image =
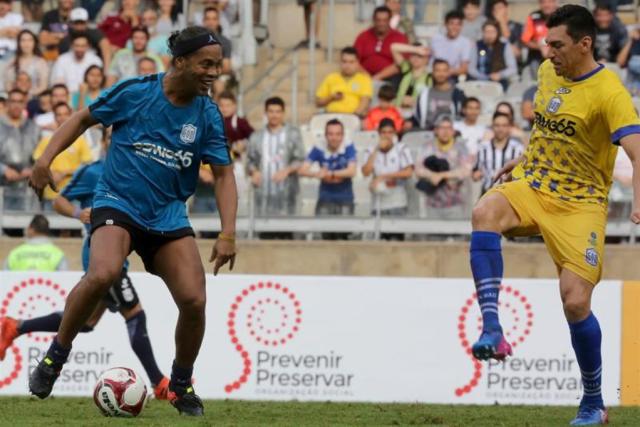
<point x="483" y="217"/>
<point x="103" y="277"/>
<point x="193" y="305"/>
<point x="575" y="309"/>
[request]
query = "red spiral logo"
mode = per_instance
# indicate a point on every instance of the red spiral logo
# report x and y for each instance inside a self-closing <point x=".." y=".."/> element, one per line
<point x="25" y="301"/>
<point x="266" y="313"/>
<point x="515" y="310"/>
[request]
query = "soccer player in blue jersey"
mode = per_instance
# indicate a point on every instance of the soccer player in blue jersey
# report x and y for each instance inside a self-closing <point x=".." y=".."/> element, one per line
<point x="122" y="296"/>
<point x="164" y="126"/>
<point x="559" y="189"/>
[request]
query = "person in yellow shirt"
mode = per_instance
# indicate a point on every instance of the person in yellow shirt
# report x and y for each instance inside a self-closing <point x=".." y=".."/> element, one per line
<point x="348" y="91"/>
<point x="559" y="189"/>
<point x="68" y="161"/>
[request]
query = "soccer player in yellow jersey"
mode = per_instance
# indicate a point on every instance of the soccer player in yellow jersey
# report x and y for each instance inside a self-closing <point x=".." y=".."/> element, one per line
<point x="559" y="189"/>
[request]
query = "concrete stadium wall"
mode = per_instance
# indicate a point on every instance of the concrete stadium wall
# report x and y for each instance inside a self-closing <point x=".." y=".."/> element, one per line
<point x="410" y="259"/>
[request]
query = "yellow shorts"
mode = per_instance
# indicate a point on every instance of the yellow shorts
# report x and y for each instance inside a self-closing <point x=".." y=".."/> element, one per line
<point x="573" y="232"/>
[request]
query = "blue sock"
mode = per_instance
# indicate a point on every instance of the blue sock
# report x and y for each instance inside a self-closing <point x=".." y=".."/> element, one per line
<point x="141" y="345"/>
<point x="181" y="376"/>
<point x="586" y="339"/>
<point x="57" y="353"/>
<point x="48" y="323"/>
<point x="487" y="268"/>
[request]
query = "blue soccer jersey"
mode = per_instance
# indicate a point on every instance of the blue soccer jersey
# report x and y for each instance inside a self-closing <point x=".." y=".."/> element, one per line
<point x="156" y="150"/>
<point x="341" y="192"/>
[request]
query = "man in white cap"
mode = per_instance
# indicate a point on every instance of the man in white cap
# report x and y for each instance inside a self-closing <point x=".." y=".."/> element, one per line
<point x="79" y="23"/>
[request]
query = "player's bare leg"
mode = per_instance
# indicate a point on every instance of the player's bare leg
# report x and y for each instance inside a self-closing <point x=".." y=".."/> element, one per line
<point x="110" y="247"/>
<point x="586" y="339"/>
<point x="178" y="264"/>
<point x="136" y="320"/>
<point x="491" y="216"/>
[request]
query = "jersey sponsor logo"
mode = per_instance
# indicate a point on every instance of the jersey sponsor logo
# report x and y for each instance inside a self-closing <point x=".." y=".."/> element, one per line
<point x="554" y="105"/>
<point x="591" y="257"/>
<point x="174" y="159"/>
<point x="188" y="133"/>
<point x="562" y="91"/>
<point x="563" y="126"/>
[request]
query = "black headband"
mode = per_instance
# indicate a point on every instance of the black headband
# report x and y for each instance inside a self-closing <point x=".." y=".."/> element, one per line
<point x="185" y="47"/>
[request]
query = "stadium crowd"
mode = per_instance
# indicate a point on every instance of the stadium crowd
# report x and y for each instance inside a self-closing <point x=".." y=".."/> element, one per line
<point x="408" y="124"/>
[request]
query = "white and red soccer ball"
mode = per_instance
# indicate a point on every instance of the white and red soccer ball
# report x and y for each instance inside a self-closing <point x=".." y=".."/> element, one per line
<point x="120" y="392"/>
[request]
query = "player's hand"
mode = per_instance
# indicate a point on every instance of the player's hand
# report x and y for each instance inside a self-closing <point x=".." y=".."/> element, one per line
<point x="223" y="251"/>
<point x="41" y="177"/>
<point x="504" y="174"/>
<point x="85" y="216"/>
<point x="635" y="216"/>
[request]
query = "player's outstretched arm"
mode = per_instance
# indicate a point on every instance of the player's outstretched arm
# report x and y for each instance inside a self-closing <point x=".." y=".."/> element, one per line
<point x="63" y="137"/>
<point x="63" y="206"/>
<point x="224" y="250"/>
<point x="631" y="145"/>
<point x="504" y="174"/>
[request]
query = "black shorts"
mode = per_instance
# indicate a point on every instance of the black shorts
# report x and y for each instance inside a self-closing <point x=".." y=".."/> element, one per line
<point x="145" y="242"/>
<point x="122" y="295"/>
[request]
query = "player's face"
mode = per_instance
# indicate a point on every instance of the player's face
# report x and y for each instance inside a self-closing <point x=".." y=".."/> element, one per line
<point x="139" y="41"/>
<point x="348" y="64"/>
<point x="501" y="128"/>
<point x="334" y="135"/>
<point x="227" y="107"/>
<point x="564" y="53"/>
<point x="61" y="114"/>
<point x="603" y="18"/>
<point x="381" y="23"/>
<point x="444" y="132"/>
<point x="275" y="115"/>
<point x="454" y="27"/>
<point x="472" y="111"/>
<point x="203" y="67"/>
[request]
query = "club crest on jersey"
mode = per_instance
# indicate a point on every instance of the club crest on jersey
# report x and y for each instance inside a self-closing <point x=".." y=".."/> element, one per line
<point x="591" y="257"/>
<point x="188" y="134"/>
<point x="563" y="91"/>
<point x="554" y="105"/>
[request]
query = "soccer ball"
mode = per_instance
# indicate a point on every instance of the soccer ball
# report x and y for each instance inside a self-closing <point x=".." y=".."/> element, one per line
<point x="120" y="392"/>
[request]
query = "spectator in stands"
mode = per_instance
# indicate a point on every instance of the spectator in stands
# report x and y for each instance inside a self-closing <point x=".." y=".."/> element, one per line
<point x="67" y="162"/>
<point x="308" y="7"/>
<point x="237" y="129"/>
<point x="274" y="156"/>
<point x="170" y="18"/>
<point x="32" y="10"/>
<point x="390" y="163"/>
<point x="415" y="75"/>
<point x="29" y="60"/>
<point x="515" y="131"/>
<point x="473" y="20"/>
<point x="79" y="24"/>
<point x="630" y="58"/>
<point x="442" y="98"/>
<point x="40" y="104"/>
<point x="70" y="67"/>
<point x="3" y="109"/>
<point x="125" y="62"/>
<point x="10" y="24"/>
<point x="471" y="132"/>
<point x="204" y="198"/>
<point x="146" y="66"/>
<point x="374" y="46"/>
<point x="611" y="34"/>
<point x="336" y="162"/>
<point x="46" y="121"/>
<point x="211" y="21"/>
<point x="494" y="153"/>
<point x="93" y="7"/>
<point x="38" y="253"/>
<point x="509" y="29"/>
<point x="491" y="58"/>
<point x="527" y="107"/>
<point x="90" y="89"/>
<point x="399" y="22"/>
<point x="18" y="138"/>
<point x="117" y="27"/>
<point x="452" y="46"/>
<point x="54" y="28"/>
<point x="22" y="83"/>
<point x="443" y="167"/>
<point x="384" y="110"/>
<point x="157" y="42"/>
<point x="348" y="91"/>
<point x="535" y="31"/>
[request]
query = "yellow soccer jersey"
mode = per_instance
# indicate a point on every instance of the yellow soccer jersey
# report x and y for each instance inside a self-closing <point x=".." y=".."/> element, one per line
<point x="577" y="123"/>
<point x="352" y="89"/>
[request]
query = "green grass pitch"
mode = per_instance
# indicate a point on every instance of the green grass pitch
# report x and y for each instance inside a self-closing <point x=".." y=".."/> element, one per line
<point x="24" y="411"/>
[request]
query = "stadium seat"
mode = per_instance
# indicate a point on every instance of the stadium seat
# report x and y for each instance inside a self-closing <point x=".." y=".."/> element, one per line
<point x="364" y="139"/>
<point x="517" y="89"/>
<point x="481" y="89"/>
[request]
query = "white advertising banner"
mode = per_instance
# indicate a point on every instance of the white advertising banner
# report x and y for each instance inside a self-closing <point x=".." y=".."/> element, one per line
<point x="332" y="338"/>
